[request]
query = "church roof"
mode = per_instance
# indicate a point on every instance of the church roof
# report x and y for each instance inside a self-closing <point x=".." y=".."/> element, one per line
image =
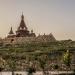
<point x="51" y="36"/>
<point x="45" y="37"/>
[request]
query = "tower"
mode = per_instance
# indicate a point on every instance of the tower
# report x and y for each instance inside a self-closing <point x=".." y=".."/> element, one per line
<point x="22" y="23"/>
<point x="22" y="30"/>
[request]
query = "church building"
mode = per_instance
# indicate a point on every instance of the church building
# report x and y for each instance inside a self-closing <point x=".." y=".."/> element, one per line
<point x="23" y="35"/>
<point x="22" y="30"/>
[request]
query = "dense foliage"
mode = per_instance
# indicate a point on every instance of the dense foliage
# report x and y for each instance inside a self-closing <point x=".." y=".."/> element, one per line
<point x="18" y="56"/>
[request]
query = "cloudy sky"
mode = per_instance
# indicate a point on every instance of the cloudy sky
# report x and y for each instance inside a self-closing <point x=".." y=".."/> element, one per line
<point x="43" y="16"/>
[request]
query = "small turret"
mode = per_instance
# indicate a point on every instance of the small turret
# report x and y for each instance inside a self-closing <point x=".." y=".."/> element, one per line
<point x="32" y="34"/>
<point x="11" y="31"/>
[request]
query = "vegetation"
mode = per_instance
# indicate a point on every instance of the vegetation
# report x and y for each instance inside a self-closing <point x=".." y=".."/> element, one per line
<point x="67" y="59"/>
<point x="18" y="56"/>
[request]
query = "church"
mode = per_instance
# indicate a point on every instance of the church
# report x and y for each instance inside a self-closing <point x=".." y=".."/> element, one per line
<point x="22" y="30"/>
<point x="23" y="35"/>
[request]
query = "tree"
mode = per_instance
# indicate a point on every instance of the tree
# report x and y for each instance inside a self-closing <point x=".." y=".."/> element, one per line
<point x="2" y="65"/>
<point x="31" y="68"/>
<point x="43" y="61"/>
<point x="12" y="64"/>
<point x="67" y="59"/>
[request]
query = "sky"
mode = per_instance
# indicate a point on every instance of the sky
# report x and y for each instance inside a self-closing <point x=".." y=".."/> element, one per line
<point x="43" y="16"/>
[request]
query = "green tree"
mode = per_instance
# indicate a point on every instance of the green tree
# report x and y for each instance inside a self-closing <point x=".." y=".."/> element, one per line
<point x="67" y="59"/>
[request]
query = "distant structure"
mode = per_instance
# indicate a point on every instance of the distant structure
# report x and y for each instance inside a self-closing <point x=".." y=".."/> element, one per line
<point x="23" y="35"/>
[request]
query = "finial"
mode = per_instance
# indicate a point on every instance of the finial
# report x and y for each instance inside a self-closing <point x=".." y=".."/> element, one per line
<point x="22" y="13"/>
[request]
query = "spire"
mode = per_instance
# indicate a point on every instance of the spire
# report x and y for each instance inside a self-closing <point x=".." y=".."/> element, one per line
<point x="11" y="31"/>
<point x="22" y="16"/>
<point x="22" y="23"/>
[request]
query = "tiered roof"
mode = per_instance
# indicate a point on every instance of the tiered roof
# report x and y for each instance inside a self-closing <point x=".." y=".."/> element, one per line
<point x="22" y="24"/>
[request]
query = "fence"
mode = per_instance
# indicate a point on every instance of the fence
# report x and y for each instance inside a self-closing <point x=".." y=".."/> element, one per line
<point x="37" y="73"/>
